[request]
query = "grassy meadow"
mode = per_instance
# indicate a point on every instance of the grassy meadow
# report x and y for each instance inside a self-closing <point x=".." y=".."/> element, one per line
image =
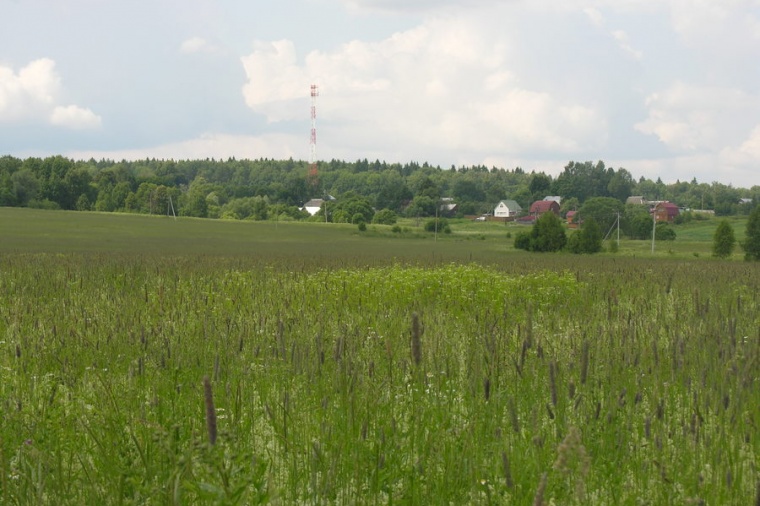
<point x="148" y="360"/>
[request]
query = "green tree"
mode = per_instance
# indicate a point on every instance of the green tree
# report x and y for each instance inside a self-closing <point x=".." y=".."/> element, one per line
<point x="752" y="241"/>
<point x="664" y="232"/>
<point x="467" y="190"/>
<point x="724" y="240"/>
<point x="588" y="239"/>
<point x="83" y="203"/>
<point x="621" y="184"/>
<point x="385" y="217"/>
<point x="540" y="186"/>
<point x="195" y="203"/>
<point x="25" y="186"/>
<point x="421" y="206"/>
<point x="603" y="210"/>
<point x="636" y="222"/>
<point x="547" y="235"/>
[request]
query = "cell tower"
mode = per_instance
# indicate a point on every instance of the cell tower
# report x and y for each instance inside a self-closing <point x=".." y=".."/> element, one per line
<point x="312" y="179"/>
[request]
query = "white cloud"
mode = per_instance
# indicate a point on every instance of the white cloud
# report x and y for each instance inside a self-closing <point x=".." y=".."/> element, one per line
<point x="274" y="79"/>
<point x="413" y="5"/>
<point x="595" y="16"/>
<point x="75" y="117"/>
<point x="207" y="145"/>
<point x="33" y="95"/>
<point x="197" y="45"/>
<point x="30" y="92"/>
<point x="622" y="39"/>
<point x="620" y="36"/>
<point x="446" y="84"/>
<point x="690" y="118"/>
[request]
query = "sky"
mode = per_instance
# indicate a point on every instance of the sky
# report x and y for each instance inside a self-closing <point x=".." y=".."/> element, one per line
<point x="662" y="88"/>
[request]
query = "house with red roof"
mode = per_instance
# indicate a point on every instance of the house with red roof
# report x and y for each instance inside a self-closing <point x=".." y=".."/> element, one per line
<point x="665" y="211"/>
<point x="570" y="217"/>
<point x="540" y="207"/>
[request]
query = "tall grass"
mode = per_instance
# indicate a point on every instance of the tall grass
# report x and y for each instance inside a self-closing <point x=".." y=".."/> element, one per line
<point x="179" y="380"/>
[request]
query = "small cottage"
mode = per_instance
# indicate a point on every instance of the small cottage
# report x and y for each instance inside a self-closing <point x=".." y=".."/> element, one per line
<point x="540" y="207"/>
<point x="665" y="211"/>
<point x="313" y="206"/>
<point x="507" y="209"/>
<point x="570" y="217"/>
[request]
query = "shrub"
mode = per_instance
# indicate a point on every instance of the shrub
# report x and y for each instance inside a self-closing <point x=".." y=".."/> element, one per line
<point x="724" y="240"/>
<point x="362" y="226"/>
<point x="385" y="217"/>
<point x="547" y="235"/>
<point x="522" y="240"/>
<point x="588" y="239"/>
<point x="440" y="223"/>
<point x="664" y="232"/>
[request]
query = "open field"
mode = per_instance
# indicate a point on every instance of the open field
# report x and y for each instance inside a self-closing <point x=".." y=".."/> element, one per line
<point x="368" y="368"/>
<point x="32" y="230"/>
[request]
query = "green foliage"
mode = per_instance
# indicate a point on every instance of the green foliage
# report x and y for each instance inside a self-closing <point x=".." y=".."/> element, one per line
<point x="587" y="240"/>
<point x="636" y="222"/>
<point x="362" y="226"/>
<point x="527" y="376"/>
<point x="522" y="240"/>
<point x="724" y="240"/>
<point x="410" y="189"/>
<point x="25" y="186"/>
<point x="547" y="235"/>
<point x="385" y="217"/>
<point x="540" y="186"/>
<point x="349" y="208"/>
<point x="752" y="242"/>
<point x="603" y="210"/>
<point x="83" y="203"/>
<point x="421" y="206"/>
<point x="437" y="225"/>
<point x="664" y="232"/>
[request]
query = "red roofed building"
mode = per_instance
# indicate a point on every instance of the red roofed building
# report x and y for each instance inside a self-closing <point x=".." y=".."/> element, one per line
<point x="666" y="211"/>
<point x="571" y="223"/>
<point x="540" y="207"/>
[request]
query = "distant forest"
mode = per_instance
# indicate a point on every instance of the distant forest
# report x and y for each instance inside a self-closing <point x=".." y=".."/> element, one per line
<point x="277" y="189"/>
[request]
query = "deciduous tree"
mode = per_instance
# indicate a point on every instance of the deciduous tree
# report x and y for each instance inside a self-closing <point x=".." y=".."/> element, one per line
<point x="752" y="242"/>
<point x="724" y="240"/>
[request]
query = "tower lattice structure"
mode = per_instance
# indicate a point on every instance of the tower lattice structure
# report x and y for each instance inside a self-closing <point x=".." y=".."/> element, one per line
<point x="313" y="177"/>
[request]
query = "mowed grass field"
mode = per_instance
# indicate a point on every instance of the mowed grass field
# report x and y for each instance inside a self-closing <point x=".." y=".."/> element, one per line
<point x="147" y="360"/>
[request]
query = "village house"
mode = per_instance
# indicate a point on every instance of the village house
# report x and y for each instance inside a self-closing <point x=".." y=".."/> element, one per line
<point x="447" y="207"/>
<point x="665" y="211"/>
<point x="507" y="209"/>
<point x="540" y="207"/>
<point x="570" y="217"/>
<point x="313" y="206"/>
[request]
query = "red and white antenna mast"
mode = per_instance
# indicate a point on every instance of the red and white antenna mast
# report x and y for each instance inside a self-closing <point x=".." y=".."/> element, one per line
<point x="313" y="141"/>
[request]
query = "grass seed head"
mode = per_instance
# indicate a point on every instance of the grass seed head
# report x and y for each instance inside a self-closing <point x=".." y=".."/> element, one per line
<point x="208" y="396"/>
<point x="538" y="499"/>
<point x="416" y="339"/>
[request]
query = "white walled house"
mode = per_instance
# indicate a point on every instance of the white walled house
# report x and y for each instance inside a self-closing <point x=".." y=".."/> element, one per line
<point x="507" y="209"/>
<point x="313" y="206"/>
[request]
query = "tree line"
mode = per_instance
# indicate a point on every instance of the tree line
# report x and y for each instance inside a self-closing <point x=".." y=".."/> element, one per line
<point x="267" y="189"/>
